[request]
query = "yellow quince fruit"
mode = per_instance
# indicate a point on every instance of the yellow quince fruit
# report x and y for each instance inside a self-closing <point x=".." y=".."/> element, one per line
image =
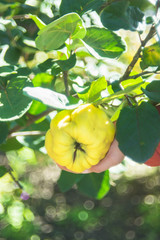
<point x="79" y="138"/>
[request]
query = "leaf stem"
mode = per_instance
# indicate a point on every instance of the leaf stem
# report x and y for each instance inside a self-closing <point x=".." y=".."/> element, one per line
<point x="65" y="78"/>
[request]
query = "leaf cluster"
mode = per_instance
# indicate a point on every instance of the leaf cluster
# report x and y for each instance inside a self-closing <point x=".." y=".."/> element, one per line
<point x="77" y="53"/>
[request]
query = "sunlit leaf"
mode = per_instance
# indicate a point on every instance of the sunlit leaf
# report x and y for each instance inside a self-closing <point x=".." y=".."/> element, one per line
<point x="151" y="55"/>
<point x="119" y="94"/>
<point x="37" y="21"/>
<point x="42" y="79"/>
<point x="50" y="98"/>
<point x="138" y="131"/>
<point x="132" y="82"/>
<point x="104" y="42"/>
<point x="54" y="35"/>
<point x="94" y="92"/>
<point x="13" y="104"/>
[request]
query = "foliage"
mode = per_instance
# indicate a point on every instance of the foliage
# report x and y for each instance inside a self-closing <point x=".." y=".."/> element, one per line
<point x="56" y="55"/>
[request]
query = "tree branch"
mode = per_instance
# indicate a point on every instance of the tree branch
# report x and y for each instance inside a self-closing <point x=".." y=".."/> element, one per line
<point x="27" y="133"/>
<point x="30" y="121"/>
<point x="137" y="54"/>
<point x="65" y="78"/>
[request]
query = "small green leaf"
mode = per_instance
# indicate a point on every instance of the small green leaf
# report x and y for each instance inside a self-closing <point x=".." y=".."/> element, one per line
<point x="119" y="94"/>
<point x="150" y="56"/>
<point x="95" y="185"/>
<point x="12" y="55"/>
<point x="104" y="42"/>
<point x="67" y="180"/>
<point x="37" y="21"/>
<point x="3" y="131"/>
<point x="120" y="15"/>
<point x="13" y="104"/>
<point x="54" y="35"/>
<point x="94" y="92"/>
<point x="132" y="82"/>
<point x="153" y="91"/>
<point x="65" y="65"/>
<point x="3" y="171"/>
<point x="138" y="131"/>
<point x="37" y="108"/>
<point x="50" y="98"/>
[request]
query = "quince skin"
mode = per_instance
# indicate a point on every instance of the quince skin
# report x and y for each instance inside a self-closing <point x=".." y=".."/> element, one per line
<point x="79" y="138"/>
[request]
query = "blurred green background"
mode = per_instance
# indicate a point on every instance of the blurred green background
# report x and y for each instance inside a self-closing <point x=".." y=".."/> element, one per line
<point x="131" y="209"/>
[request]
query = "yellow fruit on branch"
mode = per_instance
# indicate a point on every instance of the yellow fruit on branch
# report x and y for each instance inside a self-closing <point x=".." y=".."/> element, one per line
<point x="79" y="138"/>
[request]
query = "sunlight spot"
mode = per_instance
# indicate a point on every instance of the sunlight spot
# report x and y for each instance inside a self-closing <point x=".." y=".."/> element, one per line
<point x="83" y="215"/>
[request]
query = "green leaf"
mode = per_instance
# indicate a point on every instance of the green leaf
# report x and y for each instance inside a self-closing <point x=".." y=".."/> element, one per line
<point x="10" y="144"/>
<point x="119" y="94"/>
<point x="3" y="131"/>
<point x="65" y="65"/>
<point x="120" y="15"/>
<point x="50" y="64"/>
<point x="67" y="180"/>
<point x="80" y="6"/>
<point x="50" y="98"/>
<point x="95" y="185"/>
<point x="12" y="55"/>
<point x="153" y="91"/>
<point x="150" y="56"/>
<point x="42" y="79"/>
<point x="7" y="71"/>
<point x="37" y="108"/>
<point x="54" y="35"/>
<point x="3" y="171"/>
<point x="104" y="42"/>
<point x="13" y="104"/>
<point x="37" y="21"/>
<point x="132" y="82"/>
<point x="138" y="131"/>
<point x="94" y="92"/>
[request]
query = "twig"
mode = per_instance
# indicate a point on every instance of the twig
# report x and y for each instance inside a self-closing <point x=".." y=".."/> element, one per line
<point x="141" y="74"/>
<point x="137" y="54"/>
<point x="65" y="77"/>
<point x="30" y="121"/>
<point x="21" y="17"/>
<point x="14" y="179"/>
<point x="27" y="133"/>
